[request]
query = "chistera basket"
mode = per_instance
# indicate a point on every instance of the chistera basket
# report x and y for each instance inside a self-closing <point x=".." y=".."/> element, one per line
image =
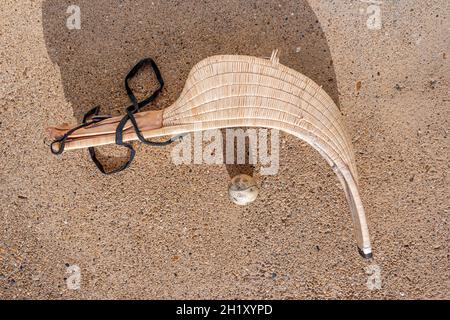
<point x="227" y="91"/>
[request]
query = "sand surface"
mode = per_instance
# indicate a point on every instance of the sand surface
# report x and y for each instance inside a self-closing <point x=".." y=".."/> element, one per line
<point x="163" y="231"/>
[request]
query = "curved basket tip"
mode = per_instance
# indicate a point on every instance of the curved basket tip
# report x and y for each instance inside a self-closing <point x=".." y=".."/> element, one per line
<point x="365" y="253"/>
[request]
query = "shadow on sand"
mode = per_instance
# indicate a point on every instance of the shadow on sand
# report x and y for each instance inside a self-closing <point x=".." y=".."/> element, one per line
<point x="115" y="34"/>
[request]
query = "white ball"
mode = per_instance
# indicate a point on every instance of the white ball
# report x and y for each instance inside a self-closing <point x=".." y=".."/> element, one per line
<point x="243" y="189"/>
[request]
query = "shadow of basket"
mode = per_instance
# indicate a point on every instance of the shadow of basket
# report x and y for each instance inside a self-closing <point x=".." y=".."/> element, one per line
<point x="115" y="34"/>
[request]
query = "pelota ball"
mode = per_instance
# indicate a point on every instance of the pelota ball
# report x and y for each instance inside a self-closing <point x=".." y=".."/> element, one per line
<point x="243" y="190"/>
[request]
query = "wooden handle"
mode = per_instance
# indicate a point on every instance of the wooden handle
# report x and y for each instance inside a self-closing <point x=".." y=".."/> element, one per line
<point x="104" y="132"/>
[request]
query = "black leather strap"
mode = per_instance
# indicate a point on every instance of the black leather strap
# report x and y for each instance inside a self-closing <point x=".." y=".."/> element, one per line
<point x="94" y="112"/>
<point x="137" y="106"/>
<point x="130" y="111"/>
<point x="61" y="141"/>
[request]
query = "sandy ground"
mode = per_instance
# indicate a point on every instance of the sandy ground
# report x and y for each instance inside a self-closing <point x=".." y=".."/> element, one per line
<point x="164" y="231"/>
